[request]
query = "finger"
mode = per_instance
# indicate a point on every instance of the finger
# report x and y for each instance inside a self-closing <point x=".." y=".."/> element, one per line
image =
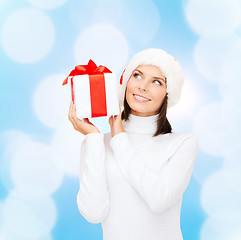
<point x="75" y="125"/>
<point x="73" y="114"/>
<point x="70" y="109"/>
<point x="87" y="121"/>
<point x="73" y="122"/>
<point x="111" y="120"/>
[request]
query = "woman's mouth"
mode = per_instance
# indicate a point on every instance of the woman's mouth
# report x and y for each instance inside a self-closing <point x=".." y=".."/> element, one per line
<point x="141" y="99"/>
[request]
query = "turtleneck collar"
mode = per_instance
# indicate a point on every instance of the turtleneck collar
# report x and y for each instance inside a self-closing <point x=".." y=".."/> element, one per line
<point x="138" y="124"/>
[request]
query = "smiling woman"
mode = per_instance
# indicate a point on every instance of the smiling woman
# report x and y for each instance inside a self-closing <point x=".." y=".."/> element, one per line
<point x="132" y="181"/>
<point x="143" y="87"/>
<point x="146" y="95"/>
<point x="147" y="78"/>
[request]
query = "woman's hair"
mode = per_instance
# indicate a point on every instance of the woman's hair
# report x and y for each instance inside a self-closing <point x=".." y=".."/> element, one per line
<point x="163" y="125"/>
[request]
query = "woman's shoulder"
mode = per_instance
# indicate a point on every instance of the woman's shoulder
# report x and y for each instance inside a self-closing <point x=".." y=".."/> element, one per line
<point x="183" y="135"/>
<point x="177" y="137"/>
<point x="185" y="139"/>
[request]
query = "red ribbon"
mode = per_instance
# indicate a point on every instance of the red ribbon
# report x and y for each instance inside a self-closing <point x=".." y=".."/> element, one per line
<point x="121" y="79"/>
<point x="97" y="86"/>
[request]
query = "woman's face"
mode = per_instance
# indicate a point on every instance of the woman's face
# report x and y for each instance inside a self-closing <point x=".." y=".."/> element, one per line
<point x="146" y="81"/>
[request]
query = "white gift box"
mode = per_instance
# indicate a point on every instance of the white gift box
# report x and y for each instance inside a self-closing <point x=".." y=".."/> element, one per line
<point x="95" y="95"/>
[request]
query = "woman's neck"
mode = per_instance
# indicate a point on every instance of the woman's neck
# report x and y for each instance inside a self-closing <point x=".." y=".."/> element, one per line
<point x="140" y="124"/>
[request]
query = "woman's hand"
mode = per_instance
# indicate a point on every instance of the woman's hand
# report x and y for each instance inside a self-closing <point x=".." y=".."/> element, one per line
<point x="84" y="126"/>
<point x="116" y="124"/>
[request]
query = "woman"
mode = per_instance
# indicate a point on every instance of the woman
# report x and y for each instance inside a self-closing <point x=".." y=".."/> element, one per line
<point x="132" y="179"/>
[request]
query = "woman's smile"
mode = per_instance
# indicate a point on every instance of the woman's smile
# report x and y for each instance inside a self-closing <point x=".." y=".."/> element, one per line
<point x="140" y="98"/>
<point x="145" y="90"/>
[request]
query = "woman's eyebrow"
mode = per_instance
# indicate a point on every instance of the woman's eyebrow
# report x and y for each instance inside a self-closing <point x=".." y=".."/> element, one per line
<point x="139" y="71"/>
<point x="164" y="80"/>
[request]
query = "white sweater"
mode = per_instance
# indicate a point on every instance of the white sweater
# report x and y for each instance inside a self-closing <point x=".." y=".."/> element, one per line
<point x="133" y="183"/>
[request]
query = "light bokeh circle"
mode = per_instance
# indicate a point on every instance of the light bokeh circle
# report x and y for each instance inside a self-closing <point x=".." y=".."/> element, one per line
<point x="7" y="234"/>
<point x="219" y="199"/>
<point x="212" y="124"/>
<point x="13" y="141"/>
<point x="209" y="54"/>
<point x="27" y="35"/>
<point x="104" y="44"/>
<point x="34" y="164"/>
<point x="213" y="17"/>
<point x="215" y="230"/>
<point x="140" y="23"/>
<point x="1" y="215"/>
<point x="30" y="219"/>
<point x="232" y="166"/>
<point x="65" y="146"/>
<point x="231" y="68"/>
<point x="51" y="101"/>
<point x="47" y="4"/>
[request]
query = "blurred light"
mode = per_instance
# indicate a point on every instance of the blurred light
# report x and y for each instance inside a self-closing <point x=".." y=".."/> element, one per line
<point x="219" y="200"/>
<point x="215" y="230"/>
<point x="232" y="167"/>
<point x="104" y="44"/>
<point x="65" y="147"/>
<point x="33" y="163"/>
<point x="213" y="17"/>
<point x="30" y="219"/>
<point x="212" y="124"/>
<point x="138" y="22"/>
<point x="47" y="4"/>
<point x="231" y="68"/>
<point x="204" y="166"/>
<point x="14" y="140"/>
<point x="1" y="215"/>
<point x="209" y="54"/>
<point x="27" y="35"/>
<point x="51" y="101"/>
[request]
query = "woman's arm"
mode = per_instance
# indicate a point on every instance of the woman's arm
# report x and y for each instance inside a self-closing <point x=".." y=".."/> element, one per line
<point x="93" y="196"/>
<point x="163" y="187"/>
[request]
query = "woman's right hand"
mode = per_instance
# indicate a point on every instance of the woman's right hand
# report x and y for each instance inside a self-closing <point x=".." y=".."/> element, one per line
<point x="85" y="126"/>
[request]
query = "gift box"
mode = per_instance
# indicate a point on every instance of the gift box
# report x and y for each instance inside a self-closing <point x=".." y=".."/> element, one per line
<point x="93" y="90"/>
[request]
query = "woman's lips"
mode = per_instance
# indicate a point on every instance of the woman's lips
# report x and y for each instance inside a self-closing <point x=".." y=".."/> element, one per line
<point x="140" y="98"/>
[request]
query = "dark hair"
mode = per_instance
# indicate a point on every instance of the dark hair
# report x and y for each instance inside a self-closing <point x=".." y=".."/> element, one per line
<point x="163" y="125"/>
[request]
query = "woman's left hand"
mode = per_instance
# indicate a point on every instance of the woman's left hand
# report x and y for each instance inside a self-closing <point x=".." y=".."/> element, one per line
<point x="116" y="124"/>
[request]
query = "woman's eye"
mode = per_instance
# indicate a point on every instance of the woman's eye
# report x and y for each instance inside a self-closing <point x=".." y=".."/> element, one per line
<point x="136" y="74"/>
<point x="158" y="82"/>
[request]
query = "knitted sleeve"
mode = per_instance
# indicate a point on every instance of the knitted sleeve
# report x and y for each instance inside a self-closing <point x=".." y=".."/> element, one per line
<point x="161" y="188"/>
<point x="93" y="196"/>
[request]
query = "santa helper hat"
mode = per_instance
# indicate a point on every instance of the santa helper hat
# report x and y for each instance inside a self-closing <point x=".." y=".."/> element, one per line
<point x="167" y="64"/>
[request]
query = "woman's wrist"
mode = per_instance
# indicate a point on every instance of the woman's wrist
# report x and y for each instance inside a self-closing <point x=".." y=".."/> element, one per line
<point x="121" y="129"/>
<point x="92" y="132"/>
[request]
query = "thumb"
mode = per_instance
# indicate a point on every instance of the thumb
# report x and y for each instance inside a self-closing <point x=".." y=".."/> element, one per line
<point x="111" y="120"/>
<point x="87" y="121"/>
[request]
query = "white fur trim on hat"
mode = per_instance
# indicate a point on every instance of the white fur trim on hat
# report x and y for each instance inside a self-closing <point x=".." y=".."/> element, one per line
<point x="168" y="65"/>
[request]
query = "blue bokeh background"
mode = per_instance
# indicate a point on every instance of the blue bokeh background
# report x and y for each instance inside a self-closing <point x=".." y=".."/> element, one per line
<point x="177" y="32"/>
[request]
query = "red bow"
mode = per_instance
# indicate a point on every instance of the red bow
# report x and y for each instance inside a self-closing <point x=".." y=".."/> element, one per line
<point x="89" y="69"/>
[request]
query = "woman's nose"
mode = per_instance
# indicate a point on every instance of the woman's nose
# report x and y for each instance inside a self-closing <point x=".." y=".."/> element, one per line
<point x="143" y="86"/>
